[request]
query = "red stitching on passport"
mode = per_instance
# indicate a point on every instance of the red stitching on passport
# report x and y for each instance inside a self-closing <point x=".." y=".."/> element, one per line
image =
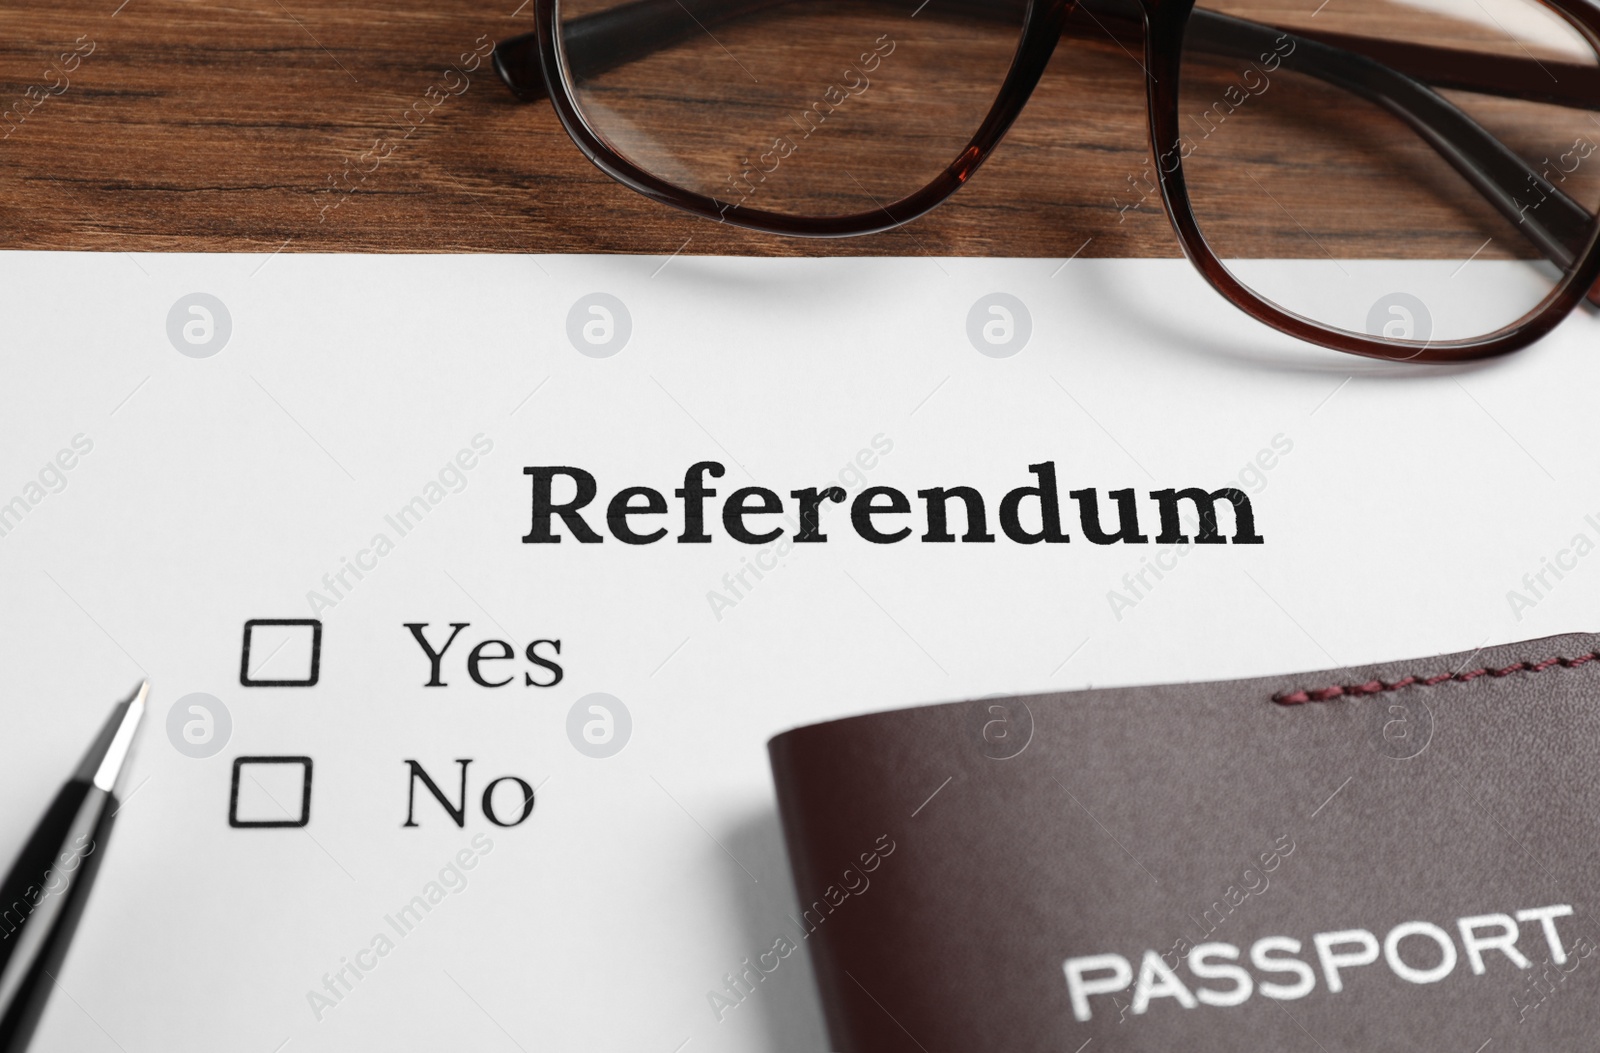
<point x="1378" y="687"/>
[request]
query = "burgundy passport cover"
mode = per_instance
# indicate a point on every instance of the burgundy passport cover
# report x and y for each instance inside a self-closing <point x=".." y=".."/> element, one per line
<point x="1390" y="857"/>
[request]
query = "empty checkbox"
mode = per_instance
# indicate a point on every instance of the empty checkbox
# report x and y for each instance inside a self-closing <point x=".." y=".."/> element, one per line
<point x="270" y="791"/>
<point x="281" y="652"/>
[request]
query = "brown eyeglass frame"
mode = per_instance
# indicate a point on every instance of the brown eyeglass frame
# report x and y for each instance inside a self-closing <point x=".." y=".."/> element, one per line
<point x="1399" y="77"/>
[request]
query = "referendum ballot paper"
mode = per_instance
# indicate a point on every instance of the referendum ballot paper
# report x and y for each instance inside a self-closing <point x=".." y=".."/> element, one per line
<point x="472" y="589"/>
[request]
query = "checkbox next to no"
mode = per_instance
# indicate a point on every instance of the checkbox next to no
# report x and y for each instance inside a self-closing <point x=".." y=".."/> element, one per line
<point x="264" y="793"/>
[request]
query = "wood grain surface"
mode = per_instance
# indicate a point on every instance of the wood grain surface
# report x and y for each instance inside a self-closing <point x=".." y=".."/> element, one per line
<point x="229" y="127"/>
<point x="243" y="126"/>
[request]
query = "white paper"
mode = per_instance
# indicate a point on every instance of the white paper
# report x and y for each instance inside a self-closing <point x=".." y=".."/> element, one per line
<point x="1409" y="504"/>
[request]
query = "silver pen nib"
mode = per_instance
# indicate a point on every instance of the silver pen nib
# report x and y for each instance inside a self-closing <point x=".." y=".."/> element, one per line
<point x="107" y="758"/>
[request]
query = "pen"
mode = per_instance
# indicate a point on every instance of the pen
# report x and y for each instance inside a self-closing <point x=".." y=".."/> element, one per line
<point x="44" y="894"/>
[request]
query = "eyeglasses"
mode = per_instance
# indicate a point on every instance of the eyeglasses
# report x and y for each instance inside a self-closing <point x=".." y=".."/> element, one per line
<point x="1403" y="179"/>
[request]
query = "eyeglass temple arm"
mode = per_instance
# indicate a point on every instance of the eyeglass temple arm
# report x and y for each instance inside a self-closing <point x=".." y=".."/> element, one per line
<point x="1558" y="226"/>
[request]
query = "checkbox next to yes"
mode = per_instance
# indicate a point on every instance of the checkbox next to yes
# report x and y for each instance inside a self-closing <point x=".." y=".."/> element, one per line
<point x="281" y="652"/>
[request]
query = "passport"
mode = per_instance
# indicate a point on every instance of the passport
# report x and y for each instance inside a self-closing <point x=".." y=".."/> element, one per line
<point x="1385" y="857"/>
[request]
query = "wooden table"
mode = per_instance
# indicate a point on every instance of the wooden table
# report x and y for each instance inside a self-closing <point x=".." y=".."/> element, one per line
<point x="228" y="126"/>
<point x="249" y="125"/>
